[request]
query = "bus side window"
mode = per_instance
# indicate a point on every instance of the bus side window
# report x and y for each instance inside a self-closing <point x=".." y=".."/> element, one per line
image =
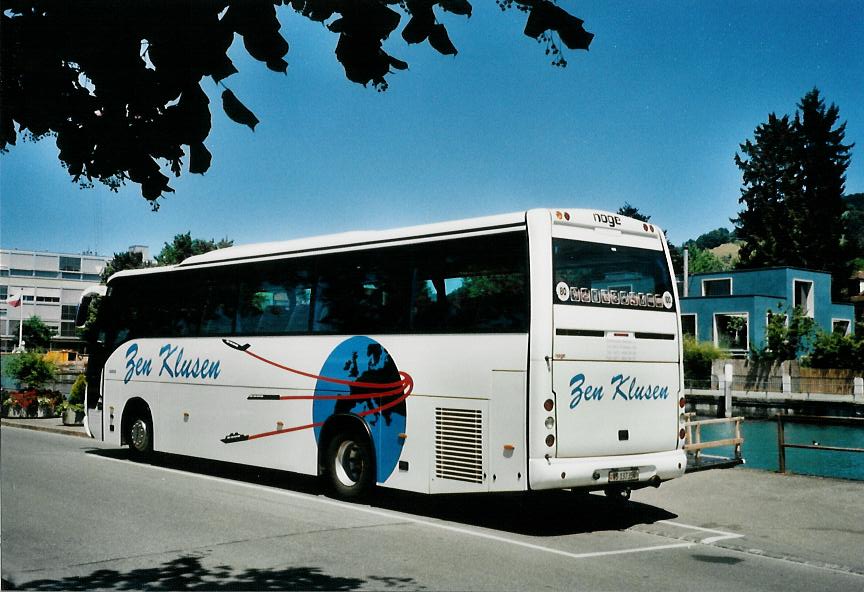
<point x="472" y="285"/>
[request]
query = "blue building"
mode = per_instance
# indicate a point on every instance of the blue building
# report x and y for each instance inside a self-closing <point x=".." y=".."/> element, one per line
<point x="732" y="308"/>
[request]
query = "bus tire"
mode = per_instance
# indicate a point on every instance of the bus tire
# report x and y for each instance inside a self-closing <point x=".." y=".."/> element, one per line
<point x="350" y="465"/>
<point x="139" y="434"/>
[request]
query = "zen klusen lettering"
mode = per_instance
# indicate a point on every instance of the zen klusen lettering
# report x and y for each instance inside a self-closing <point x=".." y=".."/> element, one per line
<point x="626" y="388"/>
<point x="174" y="364"/>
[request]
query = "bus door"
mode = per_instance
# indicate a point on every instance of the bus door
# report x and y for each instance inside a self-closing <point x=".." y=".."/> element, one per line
<point x="96" y="360"/>
<point x="615" y="368"/>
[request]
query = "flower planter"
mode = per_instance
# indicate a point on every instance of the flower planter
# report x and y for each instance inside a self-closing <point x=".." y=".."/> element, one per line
<point x="72" y="417"/>
<point x="17" y="413"/>
<point x="44" y="411"/>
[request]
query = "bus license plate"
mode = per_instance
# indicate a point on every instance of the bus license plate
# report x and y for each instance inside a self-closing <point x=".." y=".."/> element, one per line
<point x="620" y="475"/>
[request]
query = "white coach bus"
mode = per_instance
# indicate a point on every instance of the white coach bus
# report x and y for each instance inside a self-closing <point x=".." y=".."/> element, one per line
<point x="530" y="351"/>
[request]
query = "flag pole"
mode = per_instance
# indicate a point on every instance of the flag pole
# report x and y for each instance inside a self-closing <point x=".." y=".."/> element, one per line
<point x="21" y="326"/>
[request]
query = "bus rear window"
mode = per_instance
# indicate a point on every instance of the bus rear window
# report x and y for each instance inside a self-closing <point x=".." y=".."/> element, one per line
<point x="597" y="274"/>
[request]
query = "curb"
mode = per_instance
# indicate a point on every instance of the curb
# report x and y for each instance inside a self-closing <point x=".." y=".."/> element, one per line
<point x="37" y="428"/>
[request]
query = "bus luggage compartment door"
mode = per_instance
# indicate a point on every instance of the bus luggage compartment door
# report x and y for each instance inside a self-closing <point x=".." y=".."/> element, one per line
<point x="616" y="391"/>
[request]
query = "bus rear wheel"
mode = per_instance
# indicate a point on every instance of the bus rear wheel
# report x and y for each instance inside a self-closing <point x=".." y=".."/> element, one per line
<point x="139" y="435"/>
<point x="350" y="465"/>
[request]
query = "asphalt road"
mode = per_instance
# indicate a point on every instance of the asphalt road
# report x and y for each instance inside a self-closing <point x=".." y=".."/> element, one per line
<point x="79" y="515"/>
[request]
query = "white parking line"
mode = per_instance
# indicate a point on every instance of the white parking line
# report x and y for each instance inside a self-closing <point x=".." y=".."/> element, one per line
<point x="430" y="523"/>
<point x="721" y="535"/>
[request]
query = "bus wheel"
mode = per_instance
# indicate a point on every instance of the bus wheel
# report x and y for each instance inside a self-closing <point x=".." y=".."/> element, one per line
<point x="350" y="465"/>
<point x="140" y="435"/>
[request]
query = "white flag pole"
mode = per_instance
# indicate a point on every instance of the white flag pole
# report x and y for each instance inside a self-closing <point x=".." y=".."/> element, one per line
<point x="21" y="325"/>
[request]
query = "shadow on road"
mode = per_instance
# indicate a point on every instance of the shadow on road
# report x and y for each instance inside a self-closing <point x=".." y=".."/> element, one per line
<point x="190" y="573"/>
<point x="541" y="514"/>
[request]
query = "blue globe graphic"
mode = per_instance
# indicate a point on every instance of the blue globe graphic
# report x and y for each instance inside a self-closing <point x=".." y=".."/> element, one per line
<point x="363" y="360"/>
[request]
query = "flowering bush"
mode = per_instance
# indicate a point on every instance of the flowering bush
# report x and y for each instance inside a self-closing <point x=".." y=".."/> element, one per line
<point x="27" y="400"/>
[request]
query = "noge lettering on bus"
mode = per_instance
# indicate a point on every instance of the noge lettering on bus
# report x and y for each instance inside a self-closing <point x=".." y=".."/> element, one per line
<point x="174" y="364"/>
<point x="626" y="388"/>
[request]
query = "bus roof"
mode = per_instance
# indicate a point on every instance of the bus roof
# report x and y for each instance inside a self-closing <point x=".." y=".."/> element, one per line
<point x="580" y="217"/>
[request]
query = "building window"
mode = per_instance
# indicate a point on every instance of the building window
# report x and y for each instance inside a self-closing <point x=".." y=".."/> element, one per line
<point x="688" y="325"/>
<point x="68" y="312"/>
<point x="840" y="326"/>
<point x="21" y="272"/>
<point x="720" y="287"/>
<point x="731" y="331"/>
<point x="70" y="263"/>
<point x="46" y="274"/>
<point x="802" y="293"/>
<point x="51" y="299"/>
<point x="68" y="330"/>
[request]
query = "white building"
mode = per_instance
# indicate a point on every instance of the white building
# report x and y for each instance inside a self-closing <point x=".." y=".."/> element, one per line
<point x="51" y="284"/>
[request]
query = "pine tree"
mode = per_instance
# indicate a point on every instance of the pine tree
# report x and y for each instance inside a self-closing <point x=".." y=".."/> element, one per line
<point x="771" y="186"/>
<point x="794" y="174"/>
<point x="823" y="160"/>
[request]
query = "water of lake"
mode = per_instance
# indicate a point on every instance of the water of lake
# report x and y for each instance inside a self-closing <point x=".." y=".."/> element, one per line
<point x="760" y="447"/>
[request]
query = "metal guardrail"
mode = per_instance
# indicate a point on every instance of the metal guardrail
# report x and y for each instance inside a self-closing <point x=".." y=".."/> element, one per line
<point x="782" y="445"/>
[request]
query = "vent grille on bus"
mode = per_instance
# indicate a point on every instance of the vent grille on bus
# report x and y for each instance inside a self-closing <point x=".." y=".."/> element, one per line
<point x="459" y="444"/>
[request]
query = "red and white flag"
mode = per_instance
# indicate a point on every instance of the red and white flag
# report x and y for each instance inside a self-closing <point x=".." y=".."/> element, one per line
<point x="14" y="301"/>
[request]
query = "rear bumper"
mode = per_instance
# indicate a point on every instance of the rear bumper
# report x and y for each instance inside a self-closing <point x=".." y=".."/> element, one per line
<point x="562" y="473"/>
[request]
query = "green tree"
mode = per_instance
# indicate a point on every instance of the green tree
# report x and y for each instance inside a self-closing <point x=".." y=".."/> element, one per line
<point x="794" y="175"/>
<point x="831" y="350"/>
<point x="122" y="261"/>
<point x="632" y="211"/>
<point x="37" y="335"/>
<point x="768" y="225"/>
<point x="714" y="238"/>
<point x="184" y="246"/>
<point x="853" y="220"/>
<point x="30" y="369"/>
<point x="119" y="83"/>
<point x="824" y="160"/>
<point x="786" y="338"/>
<point x="704" y="261"/>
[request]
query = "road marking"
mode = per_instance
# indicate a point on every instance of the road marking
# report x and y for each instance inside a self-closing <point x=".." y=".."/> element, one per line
<point x="721" y="535"/>
<point x="405" y="517"/>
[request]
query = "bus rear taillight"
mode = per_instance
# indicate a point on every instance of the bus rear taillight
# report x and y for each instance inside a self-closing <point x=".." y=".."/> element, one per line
<point x="548" y="404"/>
<point x="682" y="433"/>
<point x="681" y="402"/>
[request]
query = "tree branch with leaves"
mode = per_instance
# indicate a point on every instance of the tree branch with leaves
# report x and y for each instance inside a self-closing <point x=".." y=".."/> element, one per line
<point x="118" y="84"/>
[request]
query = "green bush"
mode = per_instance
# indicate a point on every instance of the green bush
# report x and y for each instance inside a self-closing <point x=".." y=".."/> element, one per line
<point x="30" y="369"/>
<point x="831" y="350"/>
<point x="76" y="394"/>
<point x="698" y="356"/>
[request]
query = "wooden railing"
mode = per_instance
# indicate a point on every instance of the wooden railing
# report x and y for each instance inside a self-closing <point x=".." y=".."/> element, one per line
<point x="782" y="445"/>
<point x="693" y="439"/>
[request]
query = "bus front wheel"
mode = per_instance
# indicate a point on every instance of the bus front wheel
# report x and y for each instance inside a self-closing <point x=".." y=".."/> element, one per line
<point x="350" y="465"/>
<point x="139" y="435"/>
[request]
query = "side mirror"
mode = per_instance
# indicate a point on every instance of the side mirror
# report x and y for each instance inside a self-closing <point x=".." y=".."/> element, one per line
<point x="83" y="310"/>
<point x="84" y="303"/>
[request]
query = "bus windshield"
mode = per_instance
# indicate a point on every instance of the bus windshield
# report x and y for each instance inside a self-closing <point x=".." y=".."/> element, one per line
<point x="598" y="274"/>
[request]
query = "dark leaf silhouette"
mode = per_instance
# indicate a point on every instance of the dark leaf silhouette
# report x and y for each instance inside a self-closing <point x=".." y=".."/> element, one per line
<point x="199" y="158"/>
<point x="440" y="40"/>
<point x="420" y="25"/>
<point x="122" y="93"/>
<point x="237" y="111"/>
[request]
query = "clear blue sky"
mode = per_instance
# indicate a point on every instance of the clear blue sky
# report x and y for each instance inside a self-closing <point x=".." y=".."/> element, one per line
<point x="652" y="115"/>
